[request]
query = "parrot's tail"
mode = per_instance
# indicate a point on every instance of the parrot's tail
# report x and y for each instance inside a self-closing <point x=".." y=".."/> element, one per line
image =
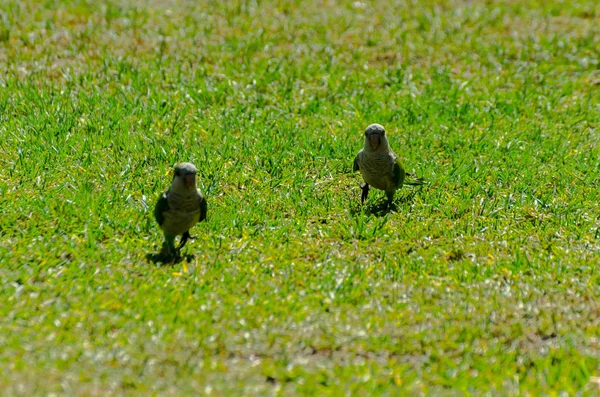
<point x="416" y="182"/>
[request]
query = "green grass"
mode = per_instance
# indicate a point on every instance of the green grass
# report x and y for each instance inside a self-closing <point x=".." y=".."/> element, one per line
<point x="485" y="280"/>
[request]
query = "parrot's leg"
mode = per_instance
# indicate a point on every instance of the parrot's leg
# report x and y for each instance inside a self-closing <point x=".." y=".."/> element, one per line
<point x="170" y="243"/>
<point x="365" y="192"/>
<point x="184" y="238"/>
<point x="390" y="196"/>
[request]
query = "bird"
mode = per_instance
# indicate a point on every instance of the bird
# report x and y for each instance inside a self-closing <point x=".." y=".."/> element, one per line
<point x="379" y="165"/>
<point x="179" y="208"/>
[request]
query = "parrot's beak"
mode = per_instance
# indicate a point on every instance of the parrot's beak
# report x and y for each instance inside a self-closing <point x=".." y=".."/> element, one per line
<point x="189" y="180"/>
<point x="374" y="139"/>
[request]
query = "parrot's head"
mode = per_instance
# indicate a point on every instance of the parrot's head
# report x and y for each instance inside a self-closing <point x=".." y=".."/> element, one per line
<point x="184" y="176"/>
<point x="375" y="138"/>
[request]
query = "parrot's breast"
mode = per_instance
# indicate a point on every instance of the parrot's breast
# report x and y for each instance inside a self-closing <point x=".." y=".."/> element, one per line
<point x="376" y="169"/>
<point x="183" y="214"/>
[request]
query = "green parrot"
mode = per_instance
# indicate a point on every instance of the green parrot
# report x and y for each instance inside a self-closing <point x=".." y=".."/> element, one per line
<point x="180" y="208"/>
<point x="379" y="165"/>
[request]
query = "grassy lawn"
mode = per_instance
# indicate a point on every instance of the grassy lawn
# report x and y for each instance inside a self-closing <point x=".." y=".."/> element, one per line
<point x="484" y="280"/>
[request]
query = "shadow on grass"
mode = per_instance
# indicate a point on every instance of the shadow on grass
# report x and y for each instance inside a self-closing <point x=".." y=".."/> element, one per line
<point x="381" y="207"/>
<point x="165" y="260"/>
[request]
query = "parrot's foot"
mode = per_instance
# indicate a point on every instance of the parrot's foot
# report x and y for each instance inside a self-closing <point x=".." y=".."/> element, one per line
<point x="184" y="238"/>
<point x="365" y="192"/>
<point x="164" y="249"/>
<point x="389" y="205"/>
<point x="169" y="253"/>
<point x="164" y="256"/>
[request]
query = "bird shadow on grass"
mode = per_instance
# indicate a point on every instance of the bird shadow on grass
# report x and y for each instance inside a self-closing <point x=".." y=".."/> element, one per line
<point x="381" y="208"/>
<point x="165" y="260"/>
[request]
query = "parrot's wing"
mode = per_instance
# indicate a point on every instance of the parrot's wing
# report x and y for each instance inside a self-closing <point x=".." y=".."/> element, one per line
<point x="161" y="207"/>
<point x="203" y="208"/>
<point x="356" y="166"/>
<point x="398" y="174"/>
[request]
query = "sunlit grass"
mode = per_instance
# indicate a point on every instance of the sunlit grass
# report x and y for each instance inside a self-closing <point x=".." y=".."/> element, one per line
<point x="484" y="280"/>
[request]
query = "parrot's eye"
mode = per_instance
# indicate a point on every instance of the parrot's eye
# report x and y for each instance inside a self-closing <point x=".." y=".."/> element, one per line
<point x="177" y="173"/>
